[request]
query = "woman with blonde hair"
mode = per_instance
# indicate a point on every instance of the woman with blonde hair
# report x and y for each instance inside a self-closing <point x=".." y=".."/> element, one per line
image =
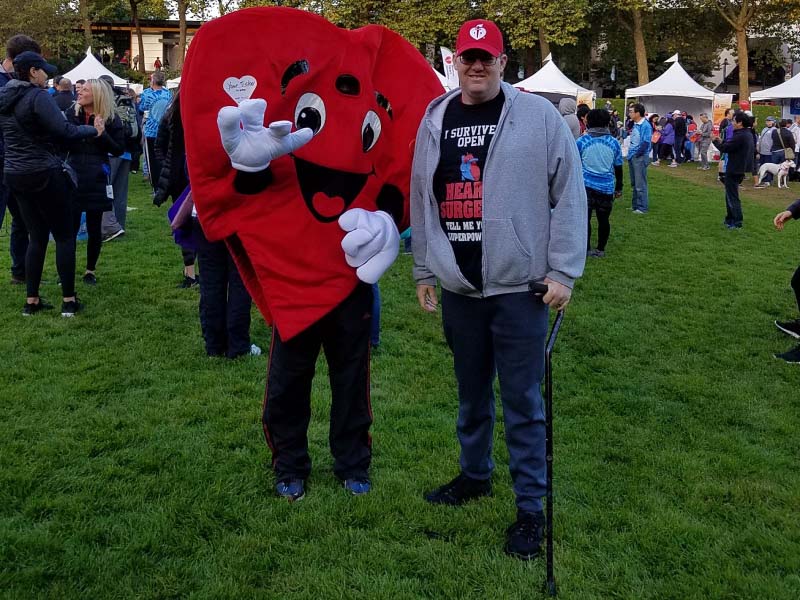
<point x="89" y="158"/>
<point x="33" y="128"/>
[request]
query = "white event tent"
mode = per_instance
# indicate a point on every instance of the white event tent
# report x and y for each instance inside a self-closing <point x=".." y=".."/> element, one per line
<point x="785" y="92"/>
<point x="549" y="82"/>
<point x="673" y="90"/>
<point x="91" y="68"/>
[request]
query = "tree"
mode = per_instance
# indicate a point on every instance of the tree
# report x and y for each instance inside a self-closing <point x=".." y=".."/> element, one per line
<point x="527" y="23"/>
<point x="739" y="14"/>
<point x="135" y="14"/>
<point x="637" y="11"/>
<point x="762" y="17"/>
<point x="182" y="7"/>
<point x="426" y="24"/>
<point x="86" y="21"/>
<point x="52" y="23"/>
<point x="226" y="6"/>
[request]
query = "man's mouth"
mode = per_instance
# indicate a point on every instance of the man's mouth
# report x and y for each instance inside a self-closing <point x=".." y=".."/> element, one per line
<point x="327" y="192"/>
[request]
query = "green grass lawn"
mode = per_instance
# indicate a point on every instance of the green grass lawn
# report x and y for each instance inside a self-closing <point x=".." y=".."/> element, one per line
<point x="131" y="465"/>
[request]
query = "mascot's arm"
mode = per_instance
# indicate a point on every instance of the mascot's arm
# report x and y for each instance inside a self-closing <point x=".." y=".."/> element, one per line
<point x="371" y="244"/>
<point x="251" y="146"/>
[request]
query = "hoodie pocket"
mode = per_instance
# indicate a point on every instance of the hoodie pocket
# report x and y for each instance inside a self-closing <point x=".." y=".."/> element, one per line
<point x="509" y="262"/>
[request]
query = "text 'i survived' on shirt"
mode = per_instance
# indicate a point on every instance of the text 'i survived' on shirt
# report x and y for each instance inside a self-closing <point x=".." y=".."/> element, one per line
<point x="467" y="130"/>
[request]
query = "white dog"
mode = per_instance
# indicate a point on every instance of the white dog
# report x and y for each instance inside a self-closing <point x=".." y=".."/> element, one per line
<point x="780" y="171"/>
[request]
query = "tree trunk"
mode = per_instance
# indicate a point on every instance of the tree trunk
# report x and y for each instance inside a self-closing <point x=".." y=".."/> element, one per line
<point x="86" y="22"/>
<point x="182" y="6"/>
<point x="744" y="64"/>
<point x="530" y="60"/>
<point x="135" y="14"/>
<point x="544" y="45"/>
<point x="641" y="50"/>
<point x="430" y="53"/>
<point x="225" y="6"/>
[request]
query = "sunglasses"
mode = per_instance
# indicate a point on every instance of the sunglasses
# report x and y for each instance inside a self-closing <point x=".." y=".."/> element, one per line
<point x="470" y="58"/>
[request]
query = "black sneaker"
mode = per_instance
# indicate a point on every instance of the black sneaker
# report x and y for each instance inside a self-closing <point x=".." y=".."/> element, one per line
<point x="460" y="491"/>
<point x="69" y="309"/>
<point x="790" y="327"/>
<point x="32" y="309"/>
<point x="792" y="356"/>
<point x="524" y="537"/>
<point x="188" y="282"/>
<point x="90" y="279"/>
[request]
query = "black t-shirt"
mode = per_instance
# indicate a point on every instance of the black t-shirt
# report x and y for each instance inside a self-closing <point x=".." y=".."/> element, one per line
<point x="467" y="131"/>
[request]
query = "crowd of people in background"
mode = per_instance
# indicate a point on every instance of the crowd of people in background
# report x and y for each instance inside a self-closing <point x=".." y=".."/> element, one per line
<point x="67" y="154"/>
<point x="646" y="139"/>
<point x="70" y="150"/>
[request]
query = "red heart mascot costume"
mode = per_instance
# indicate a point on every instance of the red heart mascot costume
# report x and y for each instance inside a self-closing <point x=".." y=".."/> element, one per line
<point x="298" y="138"/>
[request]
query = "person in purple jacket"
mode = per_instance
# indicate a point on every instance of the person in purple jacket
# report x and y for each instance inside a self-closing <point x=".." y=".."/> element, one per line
<point x="668" y="141"/>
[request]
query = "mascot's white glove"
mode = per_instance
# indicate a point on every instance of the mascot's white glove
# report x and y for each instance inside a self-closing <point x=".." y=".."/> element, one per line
<point x="372" y="243"/>
<point x="250" y="145"/>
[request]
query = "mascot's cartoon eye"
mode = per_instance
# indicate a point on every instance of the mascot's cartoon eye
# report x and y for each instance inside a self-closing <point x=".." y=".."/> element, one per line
<point x="370" y="131"/>
<point x="310" y="112"/>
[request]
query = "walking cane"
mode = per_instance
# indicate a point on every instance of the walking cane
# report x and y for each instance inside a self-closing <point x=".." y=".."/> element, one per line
<point x="146" y="151"/>
<point x="541" y="288"/>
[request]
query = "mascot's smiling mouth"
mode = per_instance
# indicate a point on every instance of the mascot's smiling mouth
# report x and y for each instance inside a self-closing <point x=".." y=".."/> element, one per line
<point x="328" y="192"/>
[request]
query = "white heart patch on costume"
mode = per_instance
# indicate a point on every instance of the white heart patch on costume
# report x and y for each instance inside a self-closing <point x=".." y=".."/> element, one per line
<point x="478" y="32"/>
<point x="240" y="88"/>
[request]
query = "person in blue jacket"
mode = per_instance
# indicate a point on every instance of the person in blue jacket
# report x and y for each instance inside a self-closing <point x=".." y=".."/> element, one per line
<point x="639" y="158"/>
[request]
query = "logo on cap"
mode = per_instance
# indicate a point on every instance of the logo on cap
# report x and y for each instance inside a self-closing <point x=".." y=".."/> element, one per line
<point x="478" y="32"/>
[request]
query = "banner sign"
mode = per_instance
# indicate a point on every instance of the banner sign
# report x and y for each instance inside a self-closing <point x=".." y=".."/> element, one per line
<point x="722" y="102"/>
<point x="586" y="98"/>
<point x="449" y="67"/>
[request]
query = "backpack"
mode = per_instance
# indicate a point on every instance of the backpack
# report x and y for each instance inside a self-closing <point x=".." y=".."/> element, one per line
<point x="124" y="109"/>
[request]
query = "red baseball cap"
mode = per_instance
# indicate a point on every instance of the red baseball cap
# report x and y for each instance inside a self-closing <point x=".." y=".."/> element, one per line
<point x="479" y="34"/>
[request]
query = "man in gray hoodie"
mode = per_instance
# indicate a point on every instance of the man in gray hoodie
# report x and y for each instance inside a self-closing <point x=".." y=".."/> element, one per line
<point x="568" y="109"/>
<point x="497" y="201"/>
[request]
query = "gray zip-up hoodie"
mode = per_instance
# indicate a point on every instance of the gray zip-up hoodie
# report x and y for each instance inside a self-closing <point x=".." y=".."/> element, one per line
<point x="534" y="201"/>
<point x="568" y="109"/>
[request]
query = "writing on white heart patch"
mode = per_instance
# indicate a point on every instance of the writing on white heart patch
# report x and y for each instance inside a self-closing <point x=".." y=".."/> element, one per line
<point x="240" y="88"/>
